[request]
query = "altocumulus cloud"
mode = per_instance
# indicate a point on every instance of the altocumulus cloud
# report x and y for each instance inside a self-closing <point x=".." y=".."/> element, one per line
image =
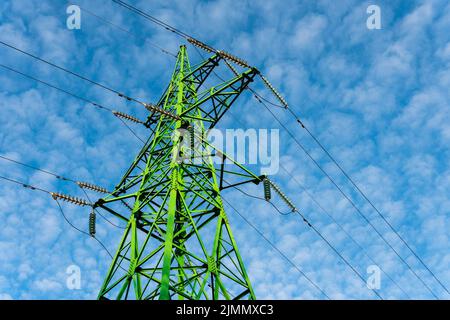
<point x="377" y="99"/>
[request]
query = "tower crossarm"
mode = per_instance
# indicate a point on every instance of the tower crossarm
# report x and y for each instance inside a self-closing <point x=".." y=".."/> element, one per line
<point x="214" y="102"/>
<point x="194" y="79"/>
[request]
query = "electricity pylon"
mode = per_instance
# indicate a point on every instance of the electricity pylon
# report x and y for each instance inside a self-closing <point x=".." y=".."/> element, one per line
<point x="178" y="242"/>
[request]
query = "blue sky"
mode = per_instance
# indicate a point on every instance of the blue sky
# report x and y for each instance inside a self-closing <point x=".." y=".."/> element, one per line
<point x="377" y="99"/>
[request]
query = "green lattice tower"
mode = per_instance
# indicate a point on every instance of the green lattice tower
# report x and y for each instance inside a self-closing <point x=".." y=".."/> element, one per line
<point x="178" y="242"/>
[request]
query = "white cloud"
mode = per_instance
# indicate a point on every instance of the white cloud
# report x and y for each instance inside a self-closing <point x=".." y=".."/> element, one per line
<point x="378" y="101"/>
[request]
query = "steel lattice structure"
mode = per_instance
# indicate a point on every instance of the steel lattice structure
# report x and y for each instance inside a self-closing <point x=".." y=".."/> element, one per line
<point x="178" y="242"/>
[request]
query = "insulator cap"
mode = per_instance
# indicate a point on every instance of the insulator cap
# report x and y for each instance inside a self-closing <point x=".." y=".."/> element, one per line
<point x="191" y="131"/>
<point x="67" y="198"/>
<point x="282" y="195"/>
<point x="200" y="45"/>
<point x="152" y="108"/>
<point x="92" y="223"/>
<point x="232" y="68"/>
<point x="230" y="57"/>
<point x="275" y="92"/>
<point x="93" y="187"/>
<point x="223" y="54"/>
<point x="127" y="117"/>
<point x="267" y="193"/>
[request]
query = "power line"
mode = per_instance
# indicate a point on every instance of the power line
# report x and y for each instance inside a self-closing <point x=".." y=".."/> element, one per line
<point x="319" y="234"/>
<point x="81" y="231"/>
<point x="261" y="100"/>
<point x="278" y="250"/>
<point x="259" y="198"/>
<point x="335" y="250"/>
<point x="343" y="229"/>
<point x="57" y="176"/>
<point x="191" y="40"/>
<point x="188" y="37"/>
<point x="84" y="232"/>
<point x="36" y="168"/>
<point x="55" y="87"/>
<point x="105" y="21"/>
<point x="347" y="176"/>
<point x="27" y="186"/>
<point x="68" y="221"/>
<point x="120" y="94"/>
<point x="196" y="43"/>
<point x="131" y="130"/>
<point x="329" y="215"/>
<point x="152" y="19"/>
<point x="168" y="27"/>
<point x="347" y="197"/>
<point x="31" y="187"/>
<point x="73" y="95"/>
<point x="367" y="199"/>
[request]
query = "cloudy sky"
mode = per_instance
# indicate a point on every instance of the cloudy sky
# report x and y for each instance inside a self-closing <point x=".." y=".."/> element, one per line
<point x="377" y="100"/>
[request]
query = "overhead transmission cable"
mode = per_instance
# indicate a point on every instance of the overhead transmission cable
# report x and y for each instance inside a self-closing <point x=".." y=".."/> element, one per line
<point x="71" y="224"/>
<point x="360" y="213"/>
<point x="149" y="106"/>
<point x="34" y="188"/>
<point x="340" y="226"/>
<point x="257" y="97"/>
<point x="309" y="224"/>
<point x="107" y="22"/>
<point x="352" y="182"/>
<point x="25" y="185"/>
<point x="258" y="198"/>
<point x="336" y="251"/>
<point x="82" y="185"/>
<point x="95" y="83"/>
<point x="186" y="36"/>
<point x="195" y="43"/>
<point x="332" y="218"/>
<point x="73" y="95"/>
<point x="314" y="284"/>
<point x="328" y="214"/>
<point x="152" y="19"/>
<point x="391" y="227"/>
<point x="182" y="34"/>
<point x="285" y="105"/>
<point x="260" y="99"/>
